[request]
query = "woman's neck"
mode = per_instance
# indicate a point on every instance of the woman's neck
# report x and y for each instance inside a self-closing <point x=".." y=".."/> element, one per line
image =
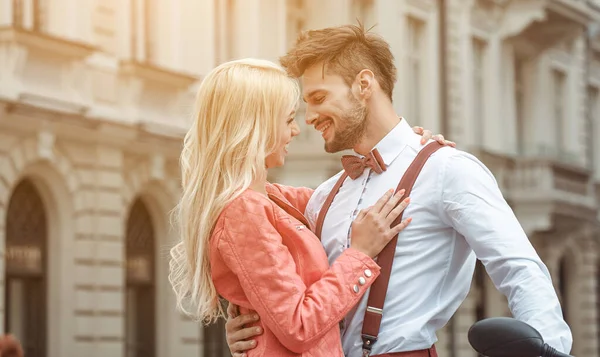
<point x="259" y="185"/>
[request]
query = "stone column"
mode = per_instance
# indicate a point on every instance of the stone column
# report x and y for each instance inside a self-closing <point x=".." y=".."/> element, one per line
<point x="6" y="13"/>
<point x="247" y="25"/>
<point x="443" y="346"/>
<point x="7" y="174"/>
<point x="463" y="319"/>
<point x="455" y="68"/>
<point x="99" y="254"/>
<point x="585" y="323"/>
<point x="576" y="130"/>
<point x="109" y="257"/>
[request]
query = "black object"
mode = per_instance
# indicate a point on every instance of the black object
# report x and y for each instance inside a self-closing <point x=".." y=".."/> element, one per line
<point x="508" y="337"/>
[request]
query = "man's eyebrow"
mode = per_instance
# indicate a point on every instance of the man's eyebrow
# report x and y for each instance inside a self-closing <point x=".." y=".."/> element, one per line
<point x="312" y="94"/>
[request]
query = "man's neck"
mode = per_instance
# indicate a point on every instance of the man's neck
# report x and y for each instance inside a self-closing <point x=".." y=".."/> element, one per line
<point x="380" y="123"/>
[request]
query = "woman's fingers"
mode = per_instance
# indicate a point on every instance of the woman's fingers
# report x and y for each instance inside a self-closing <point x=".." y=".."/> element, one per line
<point x="382" y="201"/>
<point x="391" y="217"/>
<point x="400" y="227"/>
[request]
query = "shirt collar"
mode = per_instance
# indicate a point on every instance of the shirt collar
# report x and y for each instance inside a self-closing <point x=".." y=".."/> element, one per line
<point x="394" y="142"/>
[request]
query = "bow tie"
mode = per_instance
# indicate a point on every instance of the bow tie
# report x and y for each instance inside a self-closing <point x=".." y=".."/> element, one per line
<point x="355" y="166"/>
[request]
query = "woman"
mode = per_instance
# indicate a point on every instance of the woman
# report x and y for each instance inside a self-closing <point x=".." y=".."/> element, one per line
<point x="245" y="239"/>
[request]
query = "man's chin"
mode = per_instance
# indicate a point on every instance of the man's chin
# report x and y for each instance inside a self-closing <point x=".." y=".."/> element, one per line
<point x="333" y="148"/>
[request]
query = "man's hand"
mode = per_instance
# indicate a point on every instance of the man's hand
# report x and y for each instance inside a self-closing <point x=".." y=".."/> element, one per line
<point x="238" y="336"/>
<point x="427" y="134"/>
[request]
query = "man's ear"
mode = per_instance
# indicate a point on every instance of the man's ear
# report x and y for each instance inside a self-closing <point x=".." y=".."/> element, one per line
<point x="364" y="83"/>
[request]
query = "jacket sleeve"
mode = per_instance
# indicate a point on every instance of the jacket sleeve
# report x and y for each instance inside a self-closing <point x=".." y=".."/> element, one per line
<point x="298" y="315"/>
<point x="298" y="196"/>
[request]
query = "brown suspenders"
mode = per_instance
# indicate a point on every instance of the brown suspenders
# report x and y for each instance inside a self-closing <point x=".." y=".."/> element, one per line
<point x="374" y="311"/>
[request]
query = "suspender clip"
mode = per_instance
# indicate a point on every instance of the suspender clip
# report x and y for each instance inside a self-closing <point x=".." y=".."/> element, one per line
<point x="368" y="342"/>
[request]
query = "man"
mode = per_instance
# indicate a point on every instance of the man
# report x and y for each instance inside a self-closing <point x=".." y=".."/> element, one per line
<point x="457" y="210"/>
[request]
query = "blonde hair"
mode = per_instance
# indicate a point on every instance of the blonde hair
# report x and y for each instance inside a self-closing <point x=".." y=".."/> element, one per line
<point x="238" y="108"/>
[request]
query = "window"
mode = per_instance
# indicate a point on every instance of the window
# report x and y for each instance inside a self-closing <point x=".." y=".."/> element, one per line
<point x="30" y="14"/>
<point x="558" y="108"/>
<point x="479" y="90"/>
<point x="296" y="18"/>
<point x="592" y="124"/>
<point x="415" y="42"/>
<point x="225" y="30"/>
<point x="144" y="32"/>
<point x="519" y="105"/>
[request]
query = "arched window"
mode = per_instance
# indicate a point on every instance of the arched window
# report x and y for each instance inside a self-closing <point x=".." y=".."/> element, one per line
<point x="140" y="295"/>
<point x="26" y="280"/>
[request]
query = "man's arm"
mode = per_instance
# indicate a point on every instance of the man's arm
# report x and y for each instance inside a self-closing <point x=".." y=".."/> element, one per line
<point x="472" y="203"/>
<point x="239" y="338"/>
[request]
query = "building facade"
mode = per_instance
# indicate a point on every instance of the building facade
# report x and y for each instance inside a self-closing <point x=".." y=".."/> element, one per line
<point x="95" y="98"/>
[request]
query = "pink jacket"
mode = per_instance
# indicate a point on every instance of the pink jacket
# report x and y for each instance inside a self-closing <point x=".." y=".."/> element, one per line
<point x="264" y="258"/>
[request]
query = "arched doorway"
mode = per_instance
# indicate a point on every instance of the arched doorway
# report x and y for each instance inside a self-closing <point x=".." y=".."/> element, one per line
<point x="140" y="295"/>
<point x="563" y="288"/>
<point x="214" y="342"/>
<point x="480" y="287"/>
<point x="26" y="266"/>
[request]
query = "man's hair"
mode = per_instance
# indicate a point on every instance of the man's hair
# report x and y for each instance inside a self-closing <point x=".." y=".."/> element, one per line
<point x="343" y="50"/>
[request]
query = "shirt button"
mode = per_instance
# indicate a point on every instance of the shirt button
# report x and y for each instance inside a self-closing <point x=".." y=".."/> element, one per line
<point x="368" y="273"/>
<point x="356" y="289"/>
<point x="362" y="281"/>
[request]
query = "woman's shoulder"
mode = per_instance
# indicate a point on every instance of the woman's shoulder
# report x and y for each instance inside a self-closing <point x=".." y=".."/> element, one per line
<point x="248" y="209"/>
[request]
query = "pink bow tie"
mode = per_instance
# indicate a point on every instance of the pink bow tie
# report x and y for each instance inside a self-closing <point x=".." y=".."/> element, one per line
<point x="355" y="166"/>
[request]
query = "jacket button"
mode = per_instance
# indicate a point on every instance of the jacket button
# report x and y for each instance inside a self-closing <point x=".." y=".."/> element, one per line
<point x="368" y="273"/>
<point x="356" y="289"/>
<point x="362" y="281"/>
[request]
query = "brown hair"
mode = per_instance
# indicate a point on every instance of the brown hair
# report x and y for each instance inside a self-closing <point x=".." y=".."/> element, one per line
<point x="345" y="50"/>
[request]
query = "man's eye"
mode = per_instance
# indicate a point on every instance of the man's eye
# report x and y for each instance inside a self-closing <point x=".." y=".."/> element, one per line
<point x="319" y="99"/>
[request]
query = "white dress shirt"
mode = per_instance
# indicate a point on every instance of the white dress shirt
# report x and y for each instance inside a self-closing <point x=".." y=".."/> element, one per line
<point x="459" y="215"/>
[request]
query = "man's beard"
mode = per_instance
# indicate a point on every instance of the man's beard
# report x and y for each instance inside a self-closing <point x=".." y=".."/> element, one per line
<point x="353" y="124"/>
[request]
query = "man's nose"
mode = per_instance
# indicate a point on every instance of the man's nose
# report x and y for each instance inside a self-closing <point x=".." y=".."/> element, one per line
<point x="310" y="117"/>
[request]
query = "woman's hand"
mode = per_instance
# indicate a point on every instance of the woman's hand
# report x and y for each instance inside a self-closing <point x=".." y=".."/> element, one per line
<point x="427" y="134"/>
<point x="371" y="230"/>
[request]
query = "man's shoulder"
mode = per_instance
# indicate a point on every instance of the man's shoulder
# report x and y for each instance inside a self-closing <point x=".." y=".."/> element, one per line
<point x="438" y="159"/>
<point x="448" y="155"/>
<point x="457" y="165"/>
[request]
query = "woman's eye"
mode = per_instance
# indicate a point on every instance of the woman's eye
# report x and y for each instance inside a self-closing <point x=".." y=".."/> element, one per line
<point x="319" y="99"/>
